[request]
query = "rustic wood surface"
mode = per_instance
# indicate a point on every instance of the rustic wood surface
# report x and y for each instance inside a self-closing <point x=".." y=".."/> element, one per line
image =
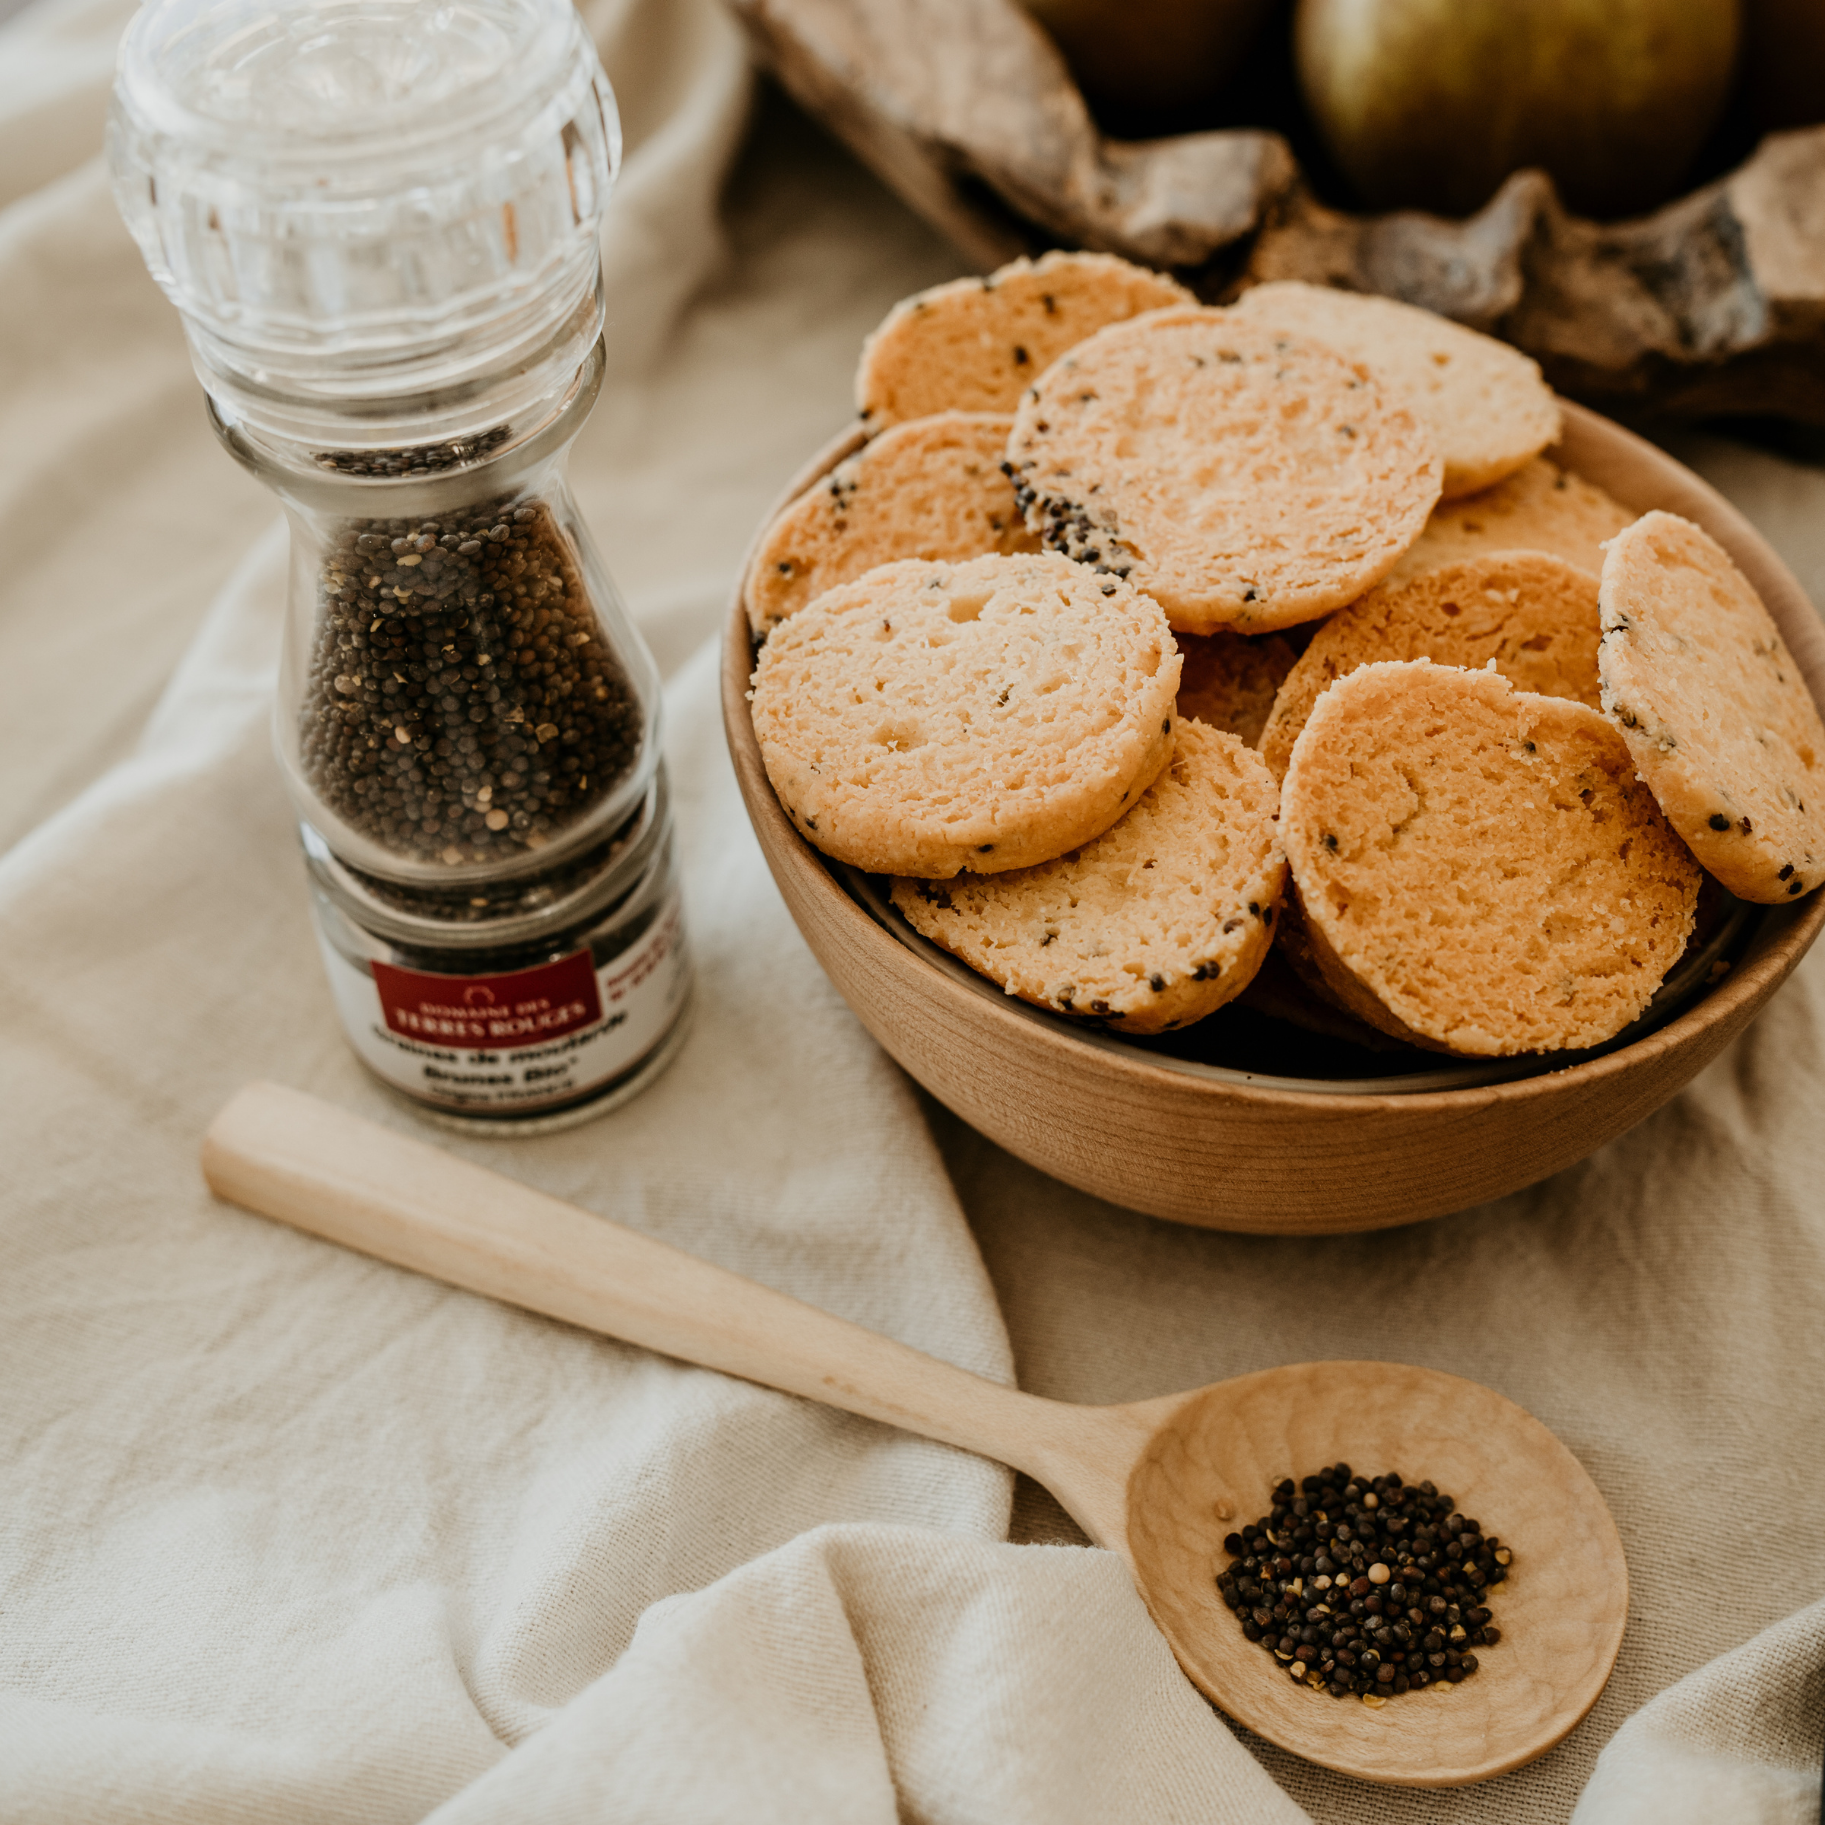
<point x="1159" y="1481"/>
<point x="1244" y="1157"/>
<point x="1715" y="303"/>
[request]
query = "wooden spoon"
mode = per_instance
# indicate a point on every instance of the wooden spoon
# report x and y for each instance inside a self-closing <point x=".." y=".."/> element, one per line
<point x="1158" y="1481"/>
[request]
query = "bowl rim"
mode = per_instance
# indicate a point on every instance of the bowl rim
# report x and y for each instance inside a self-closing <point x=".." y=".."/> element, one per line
<point x="1592" y="446"/>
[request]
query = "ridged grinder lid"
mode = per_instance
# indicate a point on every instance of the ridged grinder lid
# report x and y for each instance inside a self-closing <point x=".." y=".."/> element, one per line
<point x="364" y="196"/>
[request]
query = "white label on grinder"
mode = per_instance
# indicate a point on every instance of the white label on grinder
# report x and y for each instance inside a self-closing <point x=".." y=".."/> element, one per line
<point x="519" y="1042"/>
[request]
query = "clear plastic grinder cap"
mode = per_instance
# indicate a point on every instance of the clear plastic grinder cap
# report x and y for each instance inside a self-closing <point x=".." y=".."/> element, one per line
<point x="367" y="196"/>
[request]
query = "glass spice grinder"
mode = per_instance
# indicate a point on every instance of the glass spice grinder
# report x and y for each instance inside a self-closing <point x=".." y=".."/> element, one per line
<point x="379" y="220"/>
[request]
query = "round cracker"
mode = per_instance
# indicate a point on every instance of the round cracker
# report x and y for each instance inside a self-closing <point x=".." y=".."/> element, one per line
<point x="1487" y="405"/>
<point x="974" y="345"/>
<point x="1229" y="681"/>
<point x="1534" y="616"/>
<point x="932" y="488"/>
<point x="1479" y="869"/>
<point x="1161" y="920"/>
<point x="1541" y="507"/>
<point x="930" y="718"/>
<point x="1243" y="477"/>
<point x="1713" y="708"/>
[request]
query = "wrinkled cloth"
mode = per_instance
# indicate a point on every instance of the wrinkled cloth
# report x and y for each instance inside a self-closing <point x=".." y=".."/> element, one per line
<point x="1738" y="1739"/>
<point x="288" y="1535"/>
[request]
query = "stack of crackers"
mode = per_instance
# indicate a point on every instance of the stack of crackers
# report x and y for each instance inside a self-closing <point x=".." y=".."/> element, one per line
<point x="1141" y="638"/>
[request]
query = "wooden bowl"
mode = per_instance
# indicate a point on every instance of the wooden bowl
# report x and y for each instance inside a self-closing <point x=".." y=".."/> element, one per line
<point x="1280" y="1154"/>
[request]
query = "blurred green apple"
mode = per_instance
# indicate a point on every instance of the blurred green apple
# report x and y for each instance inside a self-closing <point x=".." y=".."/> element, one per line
<point x="1151" y="56"/>
<point x="1429" y="104"/>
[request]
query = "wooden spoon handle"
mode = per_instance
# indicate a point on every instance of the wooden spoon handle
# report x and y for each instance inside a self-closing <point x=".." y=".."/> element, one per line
<point x="321" y="1169"/>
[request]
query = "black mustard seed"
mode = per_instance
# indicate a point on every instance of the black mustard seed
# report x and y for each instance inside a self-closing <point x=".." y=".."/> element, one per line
<point x="416" y="459"/>
<point x="462" y="705"/>
<point x="1365" y="1587"/>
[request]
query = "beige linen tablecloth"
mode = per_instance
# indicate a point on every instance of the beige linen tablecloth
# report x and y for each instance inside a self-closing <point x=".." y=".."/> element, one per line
<point x="289" y="1536"/>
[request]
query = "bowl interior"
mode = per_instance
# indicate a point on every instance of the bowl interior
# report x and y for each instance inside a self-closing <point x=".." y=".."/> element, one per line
<point x="1247" y="1042"/>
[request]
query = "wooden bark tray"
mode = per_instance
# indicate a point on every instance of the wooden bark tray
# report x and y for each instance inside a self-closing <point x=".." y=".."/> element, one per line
<point x="1715" y="303"/>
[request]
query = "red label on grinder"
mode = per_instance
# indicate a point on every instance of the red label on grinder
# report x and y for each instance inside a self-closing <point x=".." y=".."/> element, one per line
<point x="491" y="1013"/>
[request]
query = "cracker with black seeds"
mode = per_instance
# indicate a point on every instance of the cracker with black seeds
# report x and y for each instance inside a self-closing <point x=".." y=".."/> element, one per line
<point x="1713" y="708"/>
<point x="1245" y="478"/>
<point x="932" y="488"/>
<point x="1541" y="507"/>
<point x="1487" y="405"/>
<point x="975" y="345"/>
<point x="931" y="718"/>
<point x="1533" y="616"/>
<point x="1479" y="869"/>
<point x="1156" y="923"/>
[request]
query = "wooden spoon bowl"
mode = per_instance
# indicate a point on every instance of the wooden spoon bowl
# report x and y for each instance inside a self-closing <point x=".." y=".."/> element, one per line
<point x="1207" y="1468"/>
<point x="1159" y="1481"/>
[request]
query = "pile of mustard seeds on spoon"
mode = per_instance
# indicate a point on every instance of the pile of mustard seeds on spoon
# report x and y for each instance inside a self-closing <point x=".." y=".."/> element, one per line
<point x="1366" y="1586"/>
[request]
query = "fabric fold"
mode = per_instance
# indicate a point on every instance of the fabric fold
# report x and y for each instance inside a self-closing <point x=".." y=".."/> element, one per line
<point x="1740" y="1739"/>
<point x="865" y="1675"/>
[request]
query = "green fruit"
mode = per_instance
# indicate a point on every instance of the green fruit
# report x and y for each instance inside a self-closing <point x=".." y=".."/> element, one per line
<point x="1151" y="55"/>
<point x="1430" y="104"/>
